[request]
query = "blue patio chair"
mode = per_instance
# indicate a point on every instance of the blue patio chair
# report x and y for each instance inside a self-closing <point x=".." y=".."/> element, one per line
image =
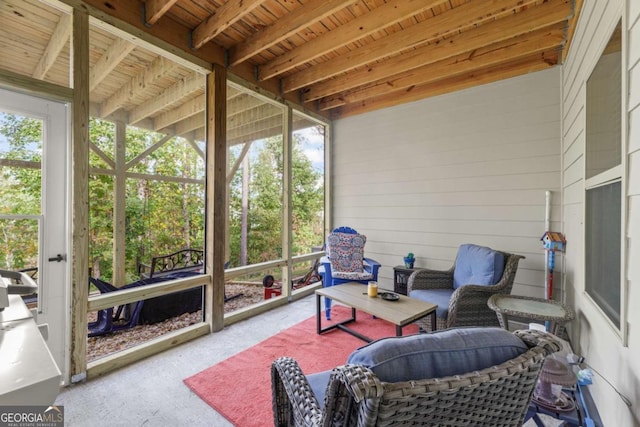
<point x="345" y="261"/>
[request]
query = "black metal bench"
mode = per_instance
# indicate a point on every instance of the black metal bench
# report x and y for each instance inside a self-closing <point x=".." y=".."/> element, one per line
<point x="182" y="260"/>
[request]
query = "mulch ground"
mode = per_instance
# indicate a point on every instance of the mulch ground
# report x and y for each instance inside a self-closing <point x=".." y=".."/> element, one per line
<point x="101" y="346"/>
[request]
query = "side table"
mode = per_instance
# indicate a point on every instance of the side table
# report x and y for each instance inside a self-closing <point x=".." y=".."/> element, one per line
<point x="401" y="278"/>
<point x="541" y="309"/>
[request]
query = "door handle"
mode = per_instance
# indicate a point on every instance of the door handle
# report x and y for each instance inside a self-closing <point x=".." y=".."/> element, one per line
<point x="58" y="258"/>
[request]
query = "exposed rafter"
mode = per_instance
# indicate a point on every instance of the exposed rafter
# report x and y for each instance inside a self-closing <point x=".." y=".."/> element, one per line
<point x="155" y="9"/>
<point x="137" y="85"/>
<point x="109" y="61"/>
<point x="467" y="16"/>
<point x="57" y="41"/>
<point x="188" y="109"/>
<point x="495" y="54"/>
<point x="385" y="15"/>
<point x="523" y="66"/>
<point x="171" y="96"/>
<point x="302" y="17"/>
<point x="330" y="57"/>
<point x="468" y="41"/>
<point x="226" y="15"/>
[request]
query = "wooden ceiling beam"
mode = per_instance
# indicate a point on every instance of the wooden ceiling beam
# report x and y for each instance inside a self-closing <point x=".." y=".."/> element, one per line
<point x="377" y="19"/>
<point x="495" y="54"/>
<point x="573" y="22"/>
<point x="136" y="85"/>
<point x="185" y="110"/>
<point x="521" y="23"/>
<point x="244" y="122"/>
<point x="224" y="17"/>
<point x="114" y="54"/>
<point x="189" y="124"/>
<point x="450" y="22"/>
<point x="286" y="26"/>
<point x="303" y="123"/>
<point x="58" y="39"/>
<point x="255" y="115"/>
<point x="155" y="9"/>
<point x="267" y="132"/>
<point x="273" y="122"/>
<point x="522" y="66"/>
<point x="171" y="96"/>
<point x="243" y="103"/>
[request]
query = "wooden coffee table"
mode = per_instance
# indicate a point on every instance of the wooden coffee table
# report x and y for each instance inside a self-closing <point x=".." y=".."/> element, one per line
<point x="401" y="312"/>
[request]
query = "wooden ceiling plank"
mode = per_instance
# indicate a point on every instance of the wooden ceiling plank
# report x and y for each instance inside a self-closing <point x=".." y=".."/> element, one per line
<point x="116" y="52"/>
<point x="58" y="39"/>
<point x="492" y="74"/>
<point x="257" y="126"/>
<point x="432" y="29"/>
<point x="136" y="85"/>
<point x="172" y="95"/>
<point x="186" y="110"/>
<point x="573" y="22"/>
<point x="492" y="55"/>
<point x="381" y="17"/>
<point x="166" y="38"/>
<point x="287" y="26"/>
<point x="266" y="132"/>
<point x="253" y="116"/>
<point x="226" y="15"/>
<point x="244" y="103"/>
<point x="190" y="124"/>
<point x="521" y="23"/>
<point x="155" y="9"/>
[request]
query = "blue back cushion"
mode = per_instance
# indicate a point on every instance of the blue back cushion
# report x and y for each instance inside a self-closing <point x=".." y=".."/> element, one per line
<point x="477" y="265"/>
<point x="448" y="352"/>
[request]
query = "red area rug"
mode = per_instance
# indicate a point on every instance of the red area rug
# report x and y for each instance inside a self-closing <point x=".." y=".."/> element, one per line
<point x="239" y="387"/>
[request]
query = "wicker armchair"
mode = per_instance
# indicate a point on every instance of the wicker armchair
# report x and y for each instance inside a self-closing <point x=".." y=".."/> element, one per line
<point x="466" y="305"/>
<point x="495" y="396"/>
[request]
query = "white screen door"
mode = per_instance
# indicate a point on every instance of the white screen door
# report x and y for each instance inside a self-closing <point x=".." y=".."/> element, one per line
<point x="34" y="214"/>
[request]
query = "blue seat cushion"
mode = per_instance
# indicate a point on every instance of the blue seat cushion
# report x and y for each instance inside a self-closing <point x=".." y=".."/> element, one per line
<point x="319" y="383"/>
<point x="440" y="297"/>
<point x="477" y="265"/>
<point x="438" y="354"/>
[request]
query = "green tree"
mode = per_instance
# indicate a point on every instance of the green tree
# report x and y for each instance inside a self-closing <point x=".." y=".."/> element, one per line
<point x="20" y="187"/>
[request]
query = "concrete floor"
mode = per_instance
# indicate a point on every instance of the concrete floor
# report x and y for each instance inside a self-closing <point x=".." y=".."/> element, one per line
<point x="151" y="392"/>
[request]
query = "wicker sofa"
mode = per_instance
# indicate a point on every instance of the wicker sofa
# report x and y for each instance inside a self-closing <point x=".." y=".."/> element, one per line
<point x="443" y="378"/>
<point x="462" y="292"/>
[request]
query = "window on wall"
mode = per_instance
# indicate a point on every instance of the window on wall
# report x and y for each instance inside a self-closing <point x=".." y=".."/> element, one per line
<point x="603" y="212"/>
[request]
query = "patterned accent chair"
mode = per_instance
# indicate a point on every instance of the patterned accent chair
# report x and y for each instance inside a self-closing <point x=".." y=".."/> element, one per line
<point x="462" y="292"/>
<point x="345" y="261"/>
<point x="456" y="377"/>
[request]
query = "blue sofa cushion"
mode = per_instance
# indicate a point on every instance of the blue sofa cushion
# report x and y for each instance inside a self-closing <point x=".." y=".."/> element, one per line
<point x="448" y="352"/>
<point x="440" y="297"/>
<point x="477" y="265"/>
<point x="438" y="354"/>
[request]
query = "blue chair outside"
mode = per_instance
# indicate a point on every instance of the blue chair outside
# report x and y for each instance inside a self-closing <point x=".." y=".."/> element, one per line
<point x="345" y="261"/>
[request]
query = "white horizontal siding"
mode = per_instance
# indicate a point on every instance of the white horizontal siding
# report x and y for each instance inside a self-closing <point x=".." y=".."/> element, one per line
<point x="593" y="337"/>
<point x="468" y="167"/>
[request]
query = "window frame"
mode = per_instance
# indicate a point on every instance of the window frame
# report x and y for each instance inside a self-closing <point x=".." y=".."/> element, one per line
<point x="619" y="173"/>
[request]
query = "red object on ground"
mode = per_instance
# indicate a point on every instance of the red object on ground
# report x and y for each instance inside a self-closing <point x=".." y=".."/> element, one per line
<point x="271" y="293"/>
